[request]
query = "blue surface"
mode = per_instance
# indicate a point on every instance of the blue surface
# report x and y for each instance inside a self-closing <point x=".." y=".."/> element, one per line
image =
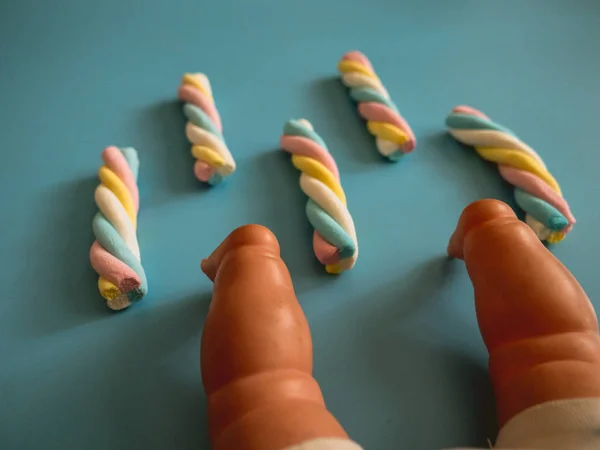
<point x="397" y="349"/>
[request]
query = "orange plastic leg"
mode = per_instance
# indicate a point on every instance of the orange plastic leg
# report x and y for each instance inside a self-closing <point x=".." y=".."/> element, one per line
<point x="256" y="353"/>
<point x="538" y="324"/>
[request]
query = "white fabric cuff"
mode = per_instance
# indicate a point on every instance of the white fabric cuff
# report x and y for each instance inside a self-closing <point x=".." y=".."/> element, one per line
<point x="561" y="425"/>
<point x="572" y="424"/>
<point x="326" y="444"/>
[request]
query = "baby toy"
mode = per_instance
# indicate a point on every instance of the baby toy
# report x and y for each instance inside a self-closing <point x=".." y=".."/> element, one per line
<point x="256" y="355"/>
<point x="539" y="327"/>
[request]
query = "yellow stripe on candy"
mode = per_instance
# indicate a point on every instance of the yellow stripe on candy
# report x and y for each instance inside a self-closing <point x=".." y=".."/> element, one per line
<point x="333" y="269"/>
<point x="519" y="160"/>
<point x="387" y="132"/>
<point x="108" y="290"/>
<point x="555" y="237"/>
<point x="208" y="155"/>
<point x="192" y="81"/>
<point x="346" y="66"/>
<point x="109" y="179"/>
<point x="315" y="169"/>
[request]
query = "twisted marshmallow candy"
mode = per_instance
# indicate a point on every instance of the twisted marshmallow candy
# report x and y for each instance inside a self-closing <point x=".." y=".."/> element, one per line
<point x="393" y="135"/>
<point x="115" y="253"/>
<point x="536" y="190"/>
<point x="204" y="130"/>
<point x="334" y="239"/>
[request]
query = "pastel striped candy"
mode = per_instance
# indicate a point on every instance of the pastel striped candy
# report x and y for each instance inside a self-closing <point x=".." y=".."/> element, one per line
<point x="394" y="137"/>
<point x="204" y="130"/>
<point x="536" y="190"/>
<point x="334" y="239"/>
<point x="115" y="254"/>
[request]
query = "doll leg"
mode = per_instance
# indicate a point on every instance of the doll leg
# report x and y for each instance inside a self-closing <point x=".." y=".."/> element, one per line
<point x="256" y="354"/>
<point x="540" y="330"/>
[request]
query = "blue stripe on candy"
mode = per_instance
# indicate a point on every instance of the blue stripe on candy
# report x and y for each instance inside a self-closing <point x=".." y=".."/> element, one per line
<point x="132" y="159"/>
<point x="371" y="95"/>
<point x="201" y="119"/>
<point x="460" y="121"/>
<point x="330" y="230"/>
<point x="540" y="210"/>
<point x="295" y="128"/>
<point x="114" y="244"/>
<point x="217" y="178"/>
<point x="396" y="156"/>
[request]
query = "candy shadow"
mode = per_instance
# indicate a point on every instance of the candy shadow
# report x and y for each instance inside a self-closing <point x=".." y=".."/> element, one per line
<point x="464" y="170"/>
<point x="421" y="364"/>
<point x="159" y="360"/>
<point x="167" y="166"/>
<point x="130" y="382"/>
<point x="341" y="115"/>
<point x="410" y="294"/>
<point x="62" y="265"/>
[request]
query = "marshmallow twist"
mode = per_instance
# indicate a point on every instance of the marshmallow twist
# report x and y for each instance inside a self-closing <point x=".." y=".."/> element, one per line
<point x="115" y="253"/>
<point x="204" y="130"/>
<point x="334" y="239"/>
<point x="394" y="136"/>
<point x="536" y="190"/>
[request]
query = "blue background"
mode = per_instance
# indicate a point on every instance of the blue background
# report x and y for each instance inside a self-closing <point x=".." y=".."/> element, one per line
<point x="397" y="349"/>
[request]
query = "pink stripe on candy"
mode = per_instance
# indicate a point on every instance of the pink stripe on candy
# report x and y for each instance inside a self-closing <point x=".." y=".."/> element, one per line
<point x="113" y="269"/>
<point x="324" y="251"/>
<point x="464" y="109"/>
<point x="526" y="180"/>
<point x="190" y="94"/>
<point x="358" y="57"/>
<point x="203" y="171"/>
<point x="538" y="188"/>
<point x="298" y="145"/>
<point x="115" y="161"/>
<point x="475" y="112"/>
<point x="381" y="113"/>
